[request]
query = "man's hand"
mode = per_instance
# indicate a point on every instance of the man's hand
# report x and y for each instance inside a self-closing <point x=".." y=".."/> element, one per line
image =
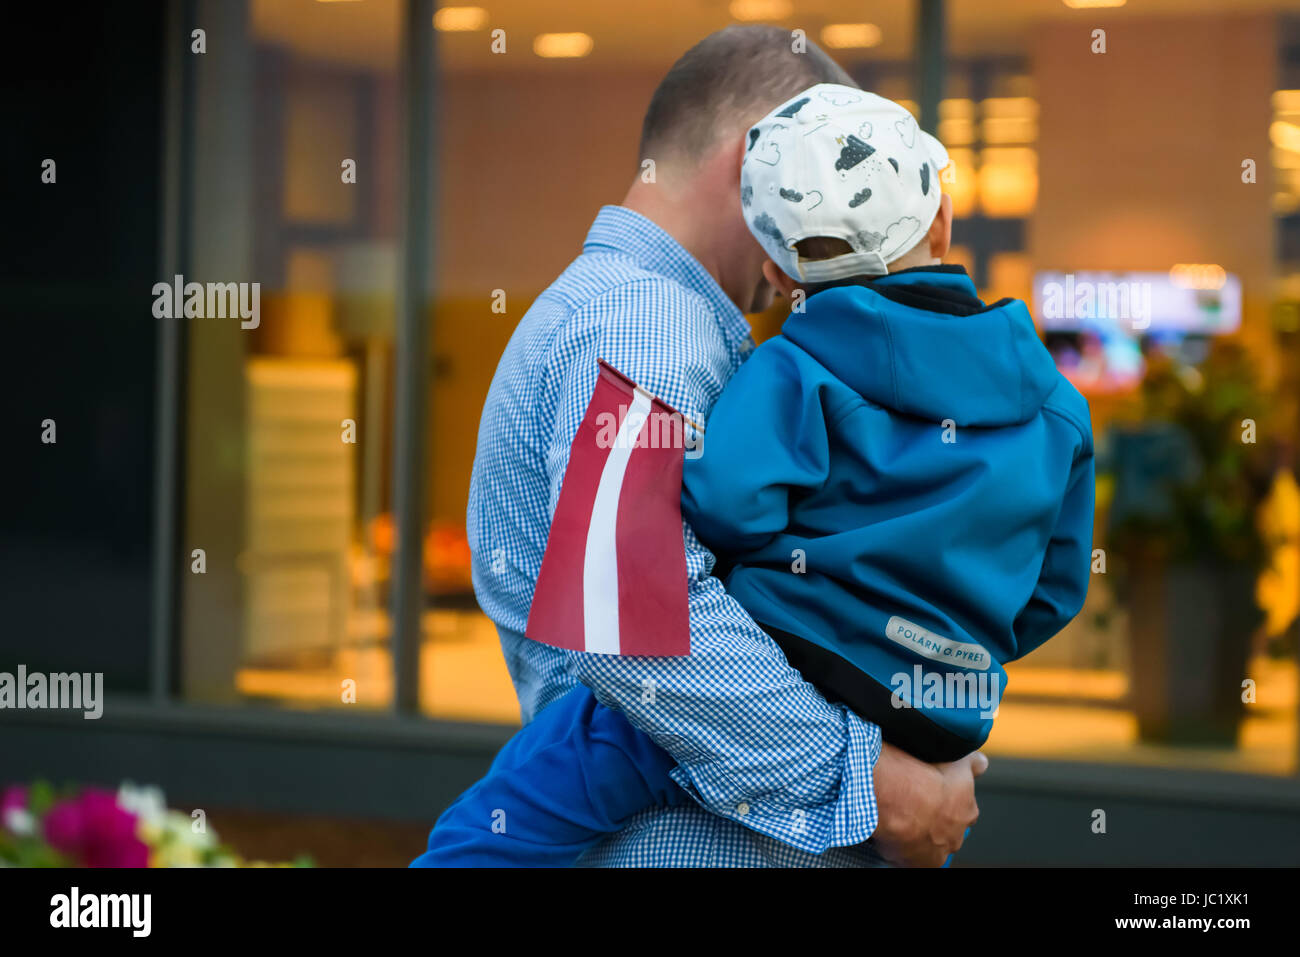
<point x="924" y="809"/>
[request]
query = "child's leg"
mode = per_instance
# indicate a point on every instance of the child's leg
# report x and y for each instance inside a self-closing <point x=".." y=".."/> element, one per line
<point x="567" y="779"/>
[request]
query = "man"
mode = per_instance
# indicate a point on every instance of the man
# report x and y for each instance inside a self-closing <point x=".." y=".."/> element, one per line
<point x="779" y="775"/>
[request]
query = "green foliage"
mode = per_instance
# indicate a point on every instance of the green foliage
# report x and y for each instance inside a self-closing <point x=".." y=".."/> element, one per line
<point x="1214" y="504"/>
<point x="28" y="851"/>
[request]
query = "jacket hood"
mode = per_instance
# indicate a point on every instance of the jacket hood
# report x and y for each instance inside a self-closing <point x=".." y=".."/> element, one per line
<point x="984" y="369"/>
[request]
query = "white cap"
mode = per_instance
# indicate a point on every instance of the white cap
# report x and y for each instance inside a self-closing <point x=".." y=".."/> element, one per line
<point x="844" y="163"/>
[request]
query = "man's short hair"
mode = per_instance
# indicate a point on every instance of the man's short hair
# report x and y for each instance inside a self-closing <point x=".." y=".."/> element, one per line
<point x="726" y="83"/>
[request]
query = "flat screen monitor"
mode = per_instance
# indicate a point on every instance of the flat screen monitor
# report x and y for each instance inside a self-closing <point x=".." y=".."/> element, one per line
<point x="1099" y="326"/>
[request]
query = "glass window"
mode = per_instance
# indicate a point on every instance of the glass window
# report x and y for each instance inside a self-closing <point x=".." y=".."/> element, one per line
<point x="1091" y="162"/>
<point x="1059" y="165"/>
<point x="289" y="417"/>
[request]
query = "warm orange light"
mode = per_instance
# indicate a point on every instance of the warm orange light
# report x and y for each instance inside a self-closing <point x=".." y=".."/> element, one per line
<point x="1198" y="275"/>
<point x="849" y="36"/>
<point x="460" y="19"/>
<point x="761" y="9"/>
<point x="959" y="181"/>
<point x="1286" y="101"/>
<point x="563" y="44"/>
<point x="1093" y="4"/>
<point x="1008" y="107"/>
<point x="956" y="122"/>
<point x="1284" y="135"/>
<point x="1008" y="181"/>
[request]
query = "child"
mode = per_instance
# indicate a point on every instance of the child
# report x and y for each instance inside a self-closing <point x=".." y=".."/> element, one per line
<point x="899" y="487"/>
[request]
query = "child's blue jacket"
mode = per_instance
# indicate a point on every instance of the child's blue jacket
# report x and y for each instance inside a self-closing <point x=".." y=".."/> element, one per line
<point x="901" y="478"/>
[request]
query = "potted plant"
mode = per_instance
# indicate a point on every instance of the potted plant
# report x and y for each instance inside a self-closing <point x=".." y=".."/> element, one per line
<point x="1188" y="482"/>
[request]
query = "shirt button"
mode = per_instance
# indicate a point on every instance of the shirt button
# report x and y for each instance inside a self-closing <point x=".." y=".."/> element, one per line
<point x="742" y="808"/>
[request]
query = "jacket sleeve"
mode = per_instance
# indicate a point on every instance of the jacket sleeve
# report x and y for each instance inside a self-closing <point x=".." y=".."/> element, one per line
<point x="570" y="777"/>
<point x="766" y="437"/>
<point x="1067" y="564"/>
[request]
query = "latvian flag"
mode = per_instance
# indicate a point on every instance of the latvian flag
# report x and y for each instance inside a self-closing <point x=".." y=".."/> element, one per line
<point x="613" y="579"/>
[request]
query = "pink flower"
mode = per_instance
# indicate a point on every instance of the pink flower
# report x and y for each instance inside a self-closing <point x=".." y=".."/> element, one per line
<point x="95" y="831"/>
<point x="13" y="809"/>
<point x="12" y="798"/>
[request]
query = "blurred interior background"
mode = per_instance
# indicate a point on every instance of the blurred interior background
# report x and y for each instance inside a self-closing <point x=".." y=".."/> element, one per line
<point x="1169" y="163"/>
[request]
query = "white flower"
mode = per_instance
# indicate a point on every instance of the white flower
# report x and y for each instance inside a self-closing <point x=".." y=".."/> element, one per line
<point x="147" y="803"/>
<point x="19" y="821"/>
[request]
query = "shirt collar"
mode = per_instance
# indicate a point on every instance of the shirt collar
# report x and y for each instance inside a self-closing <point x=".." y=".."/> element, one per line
<point x="650" y="246"/>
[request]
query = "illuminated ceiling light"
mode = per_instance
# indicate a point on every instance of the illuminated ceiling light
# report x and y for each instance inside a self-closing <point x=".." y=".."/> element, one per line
<point x="562" y="44"/>
<point x="460" y="19"/>
<point x="850" y="36"/>
<point x="1093" y="4"/>
<point x="761" y="9"/>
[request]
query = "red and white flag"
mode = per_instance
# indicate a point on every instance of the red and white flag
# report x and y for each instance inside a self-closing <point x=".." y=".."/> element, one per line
<point x="613" y="579"/>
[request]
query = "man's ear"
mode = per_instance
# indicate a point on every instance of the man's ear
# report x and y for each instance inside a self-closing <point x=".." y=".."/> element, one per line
<point x="778" y="279"/>
<point x="718" y="172"/>
<point x="940" y="235"/>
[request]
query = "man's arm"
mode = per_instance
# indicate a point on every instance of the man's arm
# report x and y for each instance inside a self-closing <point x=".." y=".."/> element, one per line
<point x="754" y="742"/>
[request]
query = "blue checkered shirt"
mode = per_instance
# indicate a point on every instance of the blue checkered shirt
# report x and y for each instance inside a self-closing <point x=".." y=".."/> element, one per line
<point x="781" y="776"/>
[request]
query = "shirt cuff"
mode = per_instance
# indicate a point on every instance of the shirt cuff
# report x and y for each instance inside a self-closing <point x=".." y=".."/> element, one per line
<point x="847" y="817"/>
